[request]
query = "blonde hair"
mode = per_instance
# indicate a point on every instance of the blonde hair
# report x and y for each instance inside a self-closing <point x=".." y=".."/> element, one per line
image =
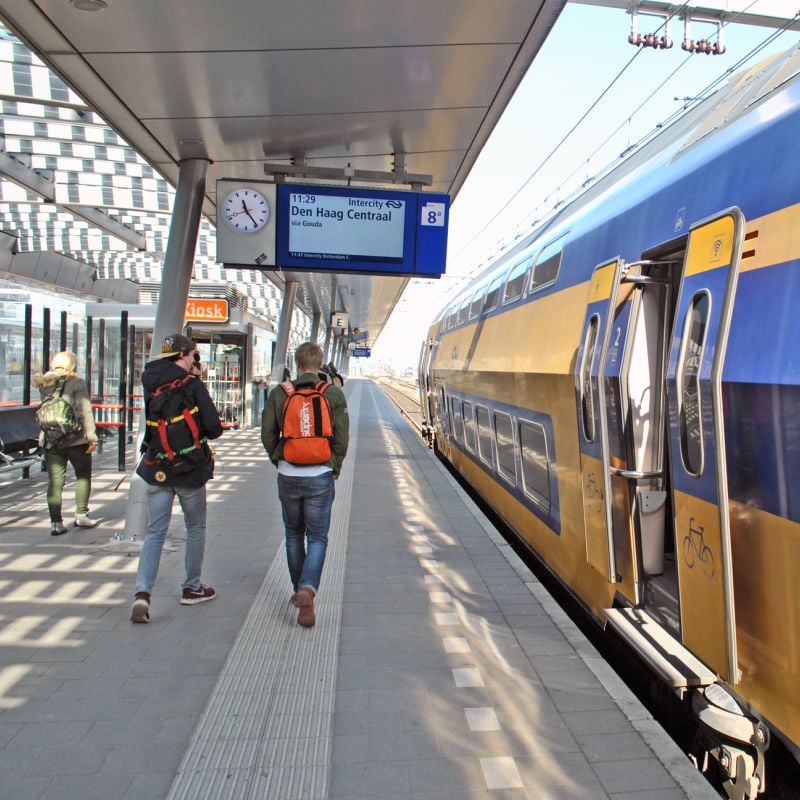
<point x="65" y="361"/>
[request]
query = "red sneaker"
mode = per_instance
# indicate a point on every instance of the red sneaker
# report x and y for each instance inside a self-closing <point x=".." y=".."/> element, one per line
<point x="199" y="595"/>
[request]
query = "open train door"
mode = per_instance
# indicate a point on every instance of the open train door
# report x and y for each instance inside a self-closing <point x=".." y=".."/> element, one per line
<point x="697" y="444"/>
<point x="593" y="434"/>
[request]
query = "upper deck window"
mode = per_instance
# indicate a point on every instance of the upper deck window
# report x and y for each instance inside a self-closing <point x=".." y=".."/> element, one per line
<point x="516" y="281"/>
<point x="476" y="303"/>
<point x="492" y="294"/>
<point x="452" y="318"/>
<point x="548" y="262"/>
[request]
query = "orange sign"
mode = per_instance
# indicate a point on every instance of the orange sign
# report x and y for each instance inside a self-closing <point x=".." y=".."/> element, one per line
<point x="200" y="309"/>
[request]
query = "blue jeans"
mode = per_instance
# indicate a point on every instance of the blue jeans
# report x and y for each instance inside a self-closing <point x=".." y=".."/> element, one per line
<point x="306" y="505"/>
<point x="159" y="502"/>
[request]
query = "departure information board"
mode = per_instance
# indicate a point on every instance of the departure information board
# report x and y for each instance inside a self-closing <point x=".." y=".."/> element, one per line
<point x="325" y="228"/>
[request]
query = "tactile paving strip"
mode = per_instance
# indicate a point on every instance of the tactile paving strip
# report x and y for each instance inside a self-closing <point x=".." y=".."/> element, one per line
<point x="266" y="731"/>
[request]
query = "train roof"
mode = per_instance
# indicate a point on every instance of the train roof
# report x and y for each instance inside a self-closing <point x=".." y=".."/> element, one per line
<point x="742" y="94"/>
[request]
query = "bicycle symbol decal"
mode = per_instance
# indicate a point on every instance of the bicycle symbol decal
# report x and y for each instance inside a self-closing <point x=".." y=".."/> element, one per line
<point x="694" y="547"/>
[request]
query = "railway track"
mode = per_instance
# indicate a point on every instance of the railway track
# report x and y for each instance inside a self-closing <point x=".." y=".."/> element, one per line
<point x="404" y="394"/>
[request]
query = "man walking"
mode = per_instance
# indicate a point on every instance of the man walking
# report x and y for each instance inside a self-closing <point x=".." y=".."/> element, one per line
<point x="177" y="461"/>
<point x="306" y="489"/>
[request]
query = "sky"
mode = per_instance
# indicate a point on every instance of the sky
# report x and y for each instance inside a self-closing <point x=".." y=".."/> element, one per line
<point x="546" y="144"/>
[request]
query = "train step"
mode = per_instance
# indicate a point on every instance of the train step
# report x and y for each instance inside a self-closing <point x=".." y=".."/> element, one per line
<point x="665" y="654"/>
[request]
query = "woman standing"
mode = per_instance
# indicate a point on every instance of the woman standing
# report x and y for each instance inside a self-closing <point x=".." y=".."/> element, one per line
<point x="76" y="449"/>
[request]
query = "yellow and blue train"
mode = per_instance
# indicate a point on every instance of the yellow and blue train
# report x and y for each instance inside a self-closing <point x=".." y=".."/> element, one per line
<point x="623" y="389"/>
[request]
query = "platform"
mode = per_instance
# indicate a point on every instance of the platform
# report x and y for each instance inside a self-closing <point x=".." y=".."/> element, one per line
<point x="439" y="668"/>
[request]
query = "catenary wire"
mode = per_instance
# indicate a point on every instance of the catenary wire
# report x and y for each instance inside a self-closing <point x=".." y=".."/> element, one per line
<point x="660" y="126"/>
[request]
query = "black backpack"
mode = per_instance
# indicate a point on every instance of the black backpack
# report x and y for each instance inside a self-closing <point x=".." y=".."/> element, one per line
<point x="56" y="417"/>
<point x="176" y="443"/>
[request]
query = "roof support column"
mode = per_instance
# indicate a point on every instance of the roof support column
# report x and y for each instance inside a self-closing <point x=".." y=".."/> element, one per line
<point x="171" y="309"/>
<point x="315" y="326"/>
<point x="327" y="352"/>
<point x="284" y="329"/>
<point x="179" y="258"/>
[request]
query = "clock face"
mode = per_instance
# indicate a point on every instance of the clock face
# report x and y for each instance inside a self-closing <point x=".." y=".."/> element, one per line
<point x="246" y="210"/>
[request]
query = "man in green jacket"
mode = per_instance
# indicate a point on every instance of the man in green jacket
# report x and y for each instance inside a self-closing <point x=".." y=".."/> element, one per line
<point x="306" y="490"/>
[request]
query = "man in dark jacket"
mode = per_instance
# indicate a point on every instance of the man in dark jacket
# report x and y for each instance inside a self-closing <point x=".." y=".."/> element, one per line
<point x="306" y="492"/>
<point x="165" y="480"/>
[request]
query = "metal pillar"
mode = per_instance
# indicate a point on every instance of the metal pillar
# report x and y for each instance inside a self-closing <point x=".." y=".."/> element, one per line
<point x="315" y="326"/>
<point x="171" y="309"/>
<point x="284" y="329"/>
<point x="45" y="339"/>
<point x="328" y="352"/>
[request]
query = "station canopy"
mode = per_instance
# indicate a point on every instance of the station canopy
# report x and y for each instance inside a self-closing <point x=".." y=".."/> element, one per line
<point x="408" y="91"/>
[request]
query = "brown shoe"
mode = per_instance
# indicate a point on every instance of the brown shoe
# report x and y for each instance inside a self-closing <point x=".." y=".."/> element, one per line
<point x="305" y="604"/>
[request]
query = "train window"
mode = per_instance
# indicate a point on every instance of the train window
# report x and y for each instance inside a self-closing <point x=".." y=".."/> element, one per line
<point x="506" y="457"/>
<point x="484" y="435"/>
<point x="469" y="427"/>
<point x="535" y="466"/>
<point x="455" y="420"/>
<point x="462" y="312"/>
<point x="516" y="281"/>
<point x="548" y="262"/>
<point x="492" y="294"/>
<point x="690" y="419"/>
<point x="476" y="303"/>
<point x="586" y="385"/>
<point x="452" y="318"/>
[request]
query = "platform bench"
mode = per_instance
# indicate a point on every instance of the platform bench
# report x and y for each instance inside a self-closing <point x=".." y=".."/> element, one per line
<point x="19" y="439"/>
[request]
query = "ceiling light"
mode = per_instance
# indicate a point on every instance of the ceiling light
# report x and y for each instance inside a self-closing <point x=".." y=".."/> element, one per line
<point x="89" y="5"/>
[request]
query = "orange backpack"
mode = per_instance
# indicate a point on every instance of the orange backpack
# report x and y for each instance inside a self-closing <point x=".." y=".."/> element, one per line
<point x="306" y="424"/>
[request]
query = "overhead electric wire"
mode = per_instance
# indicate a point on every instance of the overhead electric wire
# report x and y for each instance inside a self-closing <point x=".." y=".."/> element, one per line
<point x="704" y="92"/>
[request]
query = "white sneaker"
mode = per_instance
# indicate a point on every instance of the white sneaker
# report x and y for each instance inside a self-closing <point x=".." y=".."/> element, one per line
<point x="85" y="522"/>
<point x="140" y="610"/>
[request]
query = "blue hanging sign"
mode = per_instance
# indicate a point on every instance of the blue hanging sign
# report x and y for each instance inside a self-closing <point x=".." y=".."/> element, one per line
<point x="305" y="227"/>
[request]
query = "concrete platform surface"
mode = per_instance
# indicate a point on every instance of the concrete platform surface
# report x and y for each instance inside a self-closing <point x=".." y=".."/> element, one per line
<point x="439" y="668"/>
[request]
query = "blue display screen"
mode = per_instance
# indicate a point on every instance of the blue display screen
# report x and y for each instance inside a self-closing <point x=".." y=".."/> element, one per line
<point x="361" y="230"/>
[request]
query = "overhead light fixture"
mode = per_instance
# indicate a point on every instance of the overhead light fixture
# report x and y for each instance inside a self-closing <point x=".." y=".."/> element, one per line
<point x="89" y="5"/>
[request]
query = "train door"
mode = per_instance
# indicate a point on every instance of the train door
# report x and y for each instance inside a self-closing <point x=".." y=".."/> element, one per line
<point x="593" y="436"/>
<point x="697" y="446"/>
<point x="427" y="397"/>
<point x="660" y="412"/>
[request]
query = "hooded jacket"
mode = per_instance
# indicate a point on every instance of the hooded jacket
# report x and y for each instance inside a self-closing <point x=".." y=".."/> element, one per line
<point x="157" y="373"/>
<point x="77" y="395"/>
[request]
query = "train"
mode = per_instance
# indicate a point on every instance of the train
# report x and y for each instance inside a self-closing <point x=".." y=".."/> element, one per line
<point x="622" y="389"/>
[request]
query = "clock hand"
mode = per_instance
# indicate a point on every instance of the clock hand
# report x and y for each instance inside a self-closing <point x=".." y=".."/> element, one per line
<point x="251" y="218"/>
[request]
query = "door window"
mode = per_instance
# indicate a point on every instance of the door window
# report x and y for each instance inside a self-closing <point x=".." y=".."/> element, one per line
<point x="690" y="416"/>
<point x="586" y="387"/>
